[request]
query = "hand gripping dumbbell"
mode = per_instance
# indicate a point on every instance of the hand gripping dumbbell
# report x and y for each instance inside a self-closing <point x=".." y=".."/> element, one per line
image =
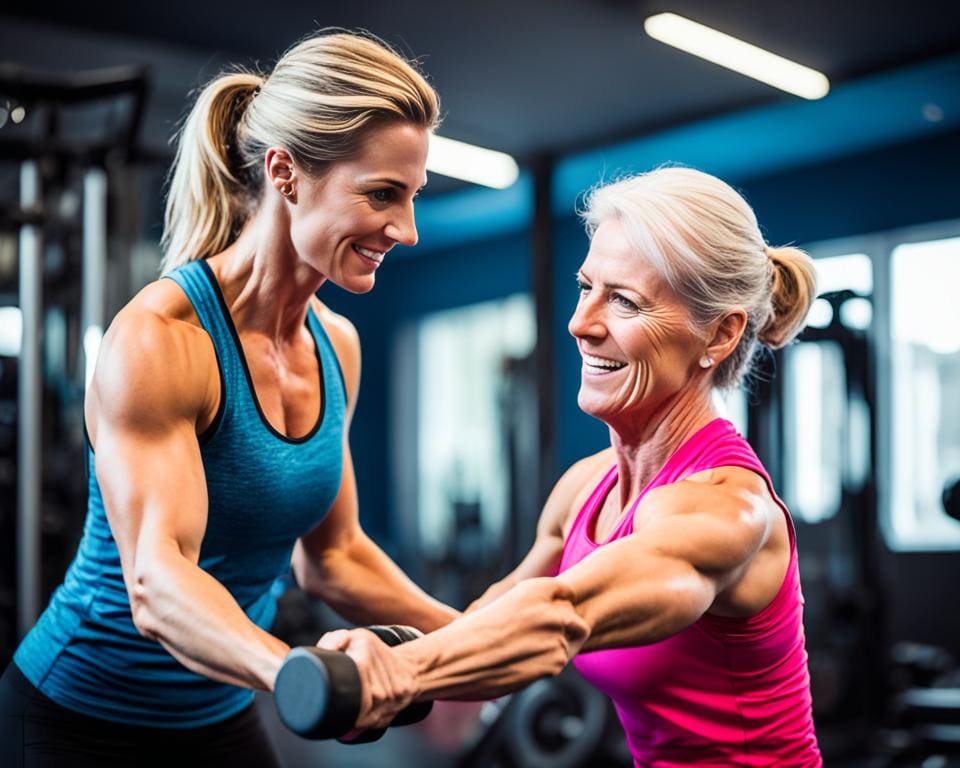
<point x="317" y="692"/>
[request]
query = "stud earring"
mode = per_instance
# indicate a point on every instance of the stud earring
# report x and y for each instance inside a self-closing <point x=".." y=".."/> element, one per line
<point x="706" y="361"/>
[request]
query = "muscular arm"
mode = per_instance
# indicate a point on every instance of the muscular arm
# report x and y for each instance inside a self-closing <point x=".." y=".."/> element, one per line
<point x="151" y="385"/>
<point x="337" y="561"/>
<point x="637" y="590"/>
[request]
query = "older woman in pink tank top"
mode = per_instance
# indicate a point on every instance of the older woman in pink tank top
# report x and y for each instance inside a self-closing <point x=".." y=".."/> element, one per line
<point x="665" y="567"/>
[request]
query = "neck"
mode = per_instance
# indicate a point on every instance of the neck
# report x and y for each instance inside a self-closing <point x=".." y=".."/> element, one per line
<point x="266" y="286"/>
<point x="643" y="447"/>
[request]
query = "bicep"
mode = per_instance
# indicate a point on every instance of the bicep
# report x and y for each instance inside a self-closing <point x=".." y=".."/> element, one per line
<point x="146" y="398"/>
<point x="667" y="574"/>
<point x="631" y="594"/>
<point x="154" y="492"/>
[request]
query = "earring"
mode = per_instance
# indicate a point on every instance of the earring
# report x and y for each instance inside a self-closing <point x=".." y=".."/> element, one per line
<point x="287" y="190"/>
<point x="706" y="361"/>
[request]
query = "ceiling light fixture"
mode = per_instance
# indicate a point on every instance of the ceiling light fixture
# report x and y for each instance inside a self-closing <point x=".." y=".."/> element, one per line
<point x="742" y="57"/>
<point x="470" y="163"/>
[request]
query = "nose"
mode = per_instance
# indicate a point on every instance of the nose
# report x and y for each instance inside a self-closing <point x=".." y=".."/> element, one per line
<point x="403" y="228"/>
<point x="586" y="321"/>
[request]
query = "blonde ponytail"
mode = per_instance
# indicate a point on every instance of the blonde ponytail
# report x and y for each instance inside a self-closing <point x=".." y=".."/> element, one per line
<point x="792" y="292"/>
<point x="206" y="203"/>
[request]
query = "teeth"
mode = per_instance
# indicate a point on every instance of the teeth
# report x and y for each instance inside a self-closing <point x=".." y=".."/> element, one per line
<point x="602" y="362"/>
<point x="375" y="255"/>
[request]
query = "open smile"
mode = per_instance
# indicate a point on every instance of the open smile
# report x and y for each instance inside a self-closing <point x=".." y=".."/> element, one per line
<point x="375" y="257"/>
<point x="599" y="366"/>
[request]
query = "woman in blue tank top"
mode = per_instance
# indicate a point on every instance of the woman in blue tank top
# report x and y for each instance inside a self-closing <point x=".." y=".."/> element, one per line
<point x="218" y="418"/>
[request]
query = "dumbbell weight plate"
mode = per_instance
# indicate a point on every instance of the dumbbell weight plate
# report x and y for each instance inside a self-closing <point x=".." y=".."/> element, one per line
<point x="304" y="697"/>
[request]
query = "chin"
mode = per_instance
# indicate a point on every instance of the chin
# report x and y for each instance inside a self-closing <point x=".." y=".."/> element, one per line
<point x="356" y="284"/>
<point x="592" y="406"/>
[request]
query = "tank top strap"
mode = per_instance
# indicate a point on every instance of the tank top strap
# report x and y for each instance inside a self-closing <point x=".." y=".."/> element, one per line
<point x="723" y="446"/>
<point x="334" y="384"/>
<point x="199" y="284"/>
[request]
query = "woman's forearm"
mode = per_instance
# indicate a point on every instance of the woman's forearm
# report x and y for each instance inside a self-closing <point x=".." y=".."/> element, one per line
<point x="492" y="592"/>
<point x="198" y="621"/>
<point x="530" y="632"/>
<point x="365" y="586"/>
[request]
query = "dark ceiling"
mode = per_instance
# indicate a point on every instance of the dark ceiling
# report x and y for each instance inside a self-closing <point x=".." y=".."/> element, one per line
<point x="529" y="76"/>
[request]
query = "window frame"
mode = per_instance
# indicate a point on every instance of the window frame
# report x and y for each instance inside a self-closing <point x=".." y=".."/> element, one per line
<point x="879" y="248"/>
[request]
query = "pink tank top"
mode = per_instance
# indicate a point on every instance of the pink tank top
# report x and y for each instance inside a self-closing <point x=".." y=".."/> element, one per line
<point x="723" y="691"/>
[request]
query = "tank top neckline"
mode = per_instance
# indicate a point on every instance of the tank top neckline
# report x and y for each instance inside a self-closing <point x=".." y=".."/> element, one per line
<point x="238" y="347"/>
<point x="591" y="510"/>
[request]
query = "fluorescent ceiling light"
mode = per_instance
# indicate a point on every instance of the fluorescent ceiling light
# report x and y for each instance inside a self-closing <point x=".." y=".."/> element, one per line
<point x="470" y="163"/>
<point x="737" y="55"/>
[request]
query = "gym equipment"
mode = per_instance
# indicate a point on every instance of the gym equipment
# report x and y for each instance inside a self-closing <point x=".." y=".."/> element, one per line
<point x="556" y="722"/>
<point x="317" y="692"/>
<point x="951" y="498"/>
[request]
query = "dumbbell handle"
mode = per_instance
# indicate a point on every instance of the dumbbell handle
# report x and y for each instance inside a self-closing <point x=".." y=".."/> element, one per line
<point x="317" y="692"/>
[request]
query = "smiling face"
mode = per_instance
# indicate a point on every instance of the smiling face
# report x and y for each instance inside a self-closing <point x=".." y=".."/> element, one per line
<point x="344" y="222"/>
<point x="635" y="337"/>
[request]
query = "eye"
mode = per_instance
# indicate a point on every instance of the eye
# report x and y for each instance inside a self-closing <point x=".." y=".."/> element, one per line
<point x="623" y="302"/>
<point x="385" y="195"/>
<point x="582" y="285"/>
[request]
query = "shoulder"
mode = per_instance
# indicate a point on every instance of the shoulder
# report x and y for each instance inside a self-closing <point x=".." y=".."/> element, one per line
<point x="346" y="344"/>
<point x="155" y="359"/>
<point x="581" y="478"/>
<point x="573" y="488"/>
<point x="720" y="517"/>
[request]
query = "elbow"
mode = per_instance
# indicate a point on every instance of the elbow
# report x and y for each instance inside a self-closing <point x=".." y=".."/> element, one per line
<point x="569" y="629"/>
<point x="568" y="638"/>
<point x="142" y="607"/>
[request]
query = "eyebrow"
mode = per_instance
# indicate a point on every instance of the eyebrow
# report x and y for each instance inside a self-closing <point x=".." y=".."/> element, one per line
<point x="615" y="286"/>
<point x="394" y="183"/>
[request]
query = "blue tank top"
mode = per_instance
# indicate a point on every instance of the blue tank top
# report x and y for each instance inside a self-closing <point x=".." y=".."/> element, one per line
<point x="265" y="490"/>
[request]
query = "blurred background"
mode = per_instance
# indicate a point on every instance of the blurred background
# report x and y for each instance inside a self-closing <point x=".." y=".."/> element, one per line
<point x="468" y="413"/>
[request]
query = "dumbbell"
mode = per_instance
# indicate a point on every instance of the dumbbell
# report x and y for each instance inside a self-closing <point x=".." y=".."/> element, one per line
<point x="317" y="692"/>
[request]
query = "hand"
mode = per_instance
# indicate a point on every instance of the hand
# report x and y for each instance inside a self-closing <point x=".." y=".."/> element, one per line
<point x="388" y="681"/>
<point x="531" y="631"/>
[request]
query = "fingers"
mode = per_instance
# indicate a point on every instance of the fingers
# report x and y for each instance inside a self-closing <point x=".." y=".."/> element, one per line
<point x="386" y="682"/>
<point x="387" y="689"/>
<point x="338" y="640"/>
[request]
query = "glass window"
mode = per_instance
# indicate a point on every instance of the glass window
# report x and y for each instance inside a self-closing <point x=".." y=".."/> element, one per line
<point x="851" y="271"/>
<point x="462" y="463"/>
<point x="11" y="330"/>
<point x="732" y="405"/>
<point x="826" y="437"/>
<point x="814" y="389"/>
<point x="925" y="392"/>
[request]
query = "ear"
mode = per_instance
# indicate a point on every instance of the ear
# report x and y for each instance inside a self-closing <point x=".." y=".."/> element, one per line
<point x="279" y="171"/>
<point x="726" y="335"/>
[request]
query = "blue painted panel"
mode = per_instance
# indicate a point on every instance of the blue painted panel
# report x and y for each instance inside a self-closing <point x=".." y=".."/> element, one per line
<point x="858" y="116"/>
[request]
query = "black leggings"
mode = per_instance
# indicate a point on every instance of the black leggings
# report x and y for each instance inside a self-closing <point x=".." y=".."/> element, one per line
<point x="35" y="732"/>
